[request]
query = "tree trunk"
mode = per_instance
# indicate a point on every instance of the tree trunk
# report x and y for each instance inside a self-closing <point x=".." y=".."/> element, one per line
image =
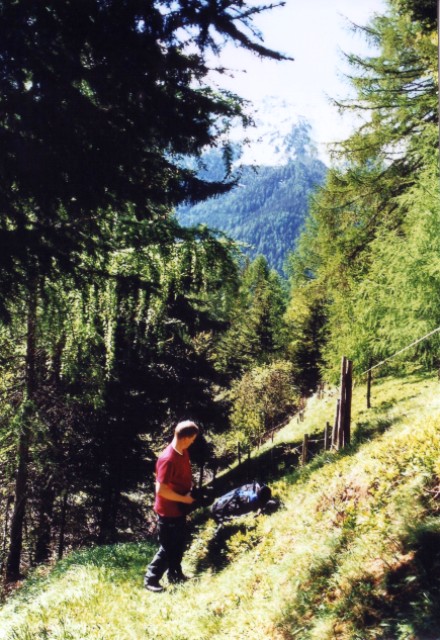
<point x="348" y="396"/>
<point x="9" y="501"/>
<point x="342" y="406"/>
<point x="21" y="478"/>
<point x="47" y="495"/>
<point x="44" y="527"/>
<point x="63" y="524"/>
<point x="109" y="514"/>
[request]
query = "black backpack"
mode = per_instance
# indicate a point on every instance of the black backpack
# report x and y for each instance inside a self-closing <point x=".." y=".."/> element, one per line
<point x="244" y="499"/>
<point x="203" y="498"/>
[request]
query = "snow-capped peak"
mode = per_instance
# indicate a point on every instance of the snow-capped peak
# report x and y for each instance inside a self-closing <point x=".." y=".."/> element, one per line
<point x="279" y="135"/>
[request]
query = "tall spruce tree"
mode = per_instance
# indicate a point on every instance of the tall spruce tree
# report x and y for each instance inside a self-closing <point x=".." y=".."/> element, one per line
<point x="256" y="332"/>
<point x="100" y="100"/>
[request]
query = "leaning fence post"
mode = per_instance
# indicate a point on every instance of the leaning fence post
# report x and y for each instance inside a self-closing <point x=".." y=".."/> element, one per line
<point x="341" y="423"/>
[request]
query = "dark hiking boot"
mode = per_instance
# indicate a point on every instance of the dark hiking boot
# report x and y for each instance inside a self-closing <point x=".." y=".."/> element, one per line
<point x="178" y="578"/>
<point x="152" y="584"/>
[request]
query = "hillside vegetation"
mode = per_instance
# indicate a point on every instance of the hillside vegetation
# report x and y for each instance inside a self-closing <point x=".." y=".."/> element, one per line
<point x="354" y="552"/>
<point x="117" y="322"/>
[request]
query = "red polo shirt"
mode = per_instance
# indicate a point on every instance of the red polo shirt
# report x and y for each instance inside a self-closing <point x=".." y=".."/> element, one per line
<point x="173" y="469"/>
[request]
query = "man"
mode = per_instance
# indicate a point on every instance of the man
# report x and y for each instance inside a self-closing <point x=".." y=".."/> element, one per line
<point x="173" y="486"/>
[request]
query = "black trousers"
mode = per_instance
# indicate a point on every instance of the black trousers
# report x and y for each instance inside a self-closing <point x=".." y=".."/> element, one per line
<point x="172" y="534"/>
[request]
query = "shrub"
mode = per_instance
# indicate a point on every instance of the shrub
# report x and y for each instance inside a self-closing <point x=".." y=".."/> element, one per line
<point x="264" y="396"/>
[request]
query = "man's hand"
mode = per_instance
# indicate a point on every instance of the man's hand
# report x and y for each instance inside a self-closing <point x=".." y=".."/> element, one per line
<point x="165" y="491"/>
<point x="188" y="499"/>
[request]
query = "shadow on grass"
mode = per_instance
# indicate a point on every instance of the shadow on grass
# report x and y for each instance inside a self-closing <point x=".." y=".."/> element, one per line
<point x="265" y="466"/>
<point x="403" y="602"/>
<point x="365" y="431"/>
<point x="284" y="459"/>
<point x="216" y="556"/>
<point x="414" y="587"/>
<point x="370" y="429"/>
<point x="406" y="599"/>
<point x="419" y="376"/>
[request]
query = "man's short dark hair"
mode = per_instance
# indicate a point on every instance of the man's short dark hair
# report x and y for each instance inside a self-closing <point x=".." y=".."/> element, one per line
<point x="186" y="429"/>
<point x="264" y="494"/>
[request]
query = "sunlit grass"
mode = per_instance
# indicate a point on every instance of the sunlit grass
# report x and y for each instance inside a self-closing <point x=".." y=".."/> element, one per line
<point x="343" y="559"/>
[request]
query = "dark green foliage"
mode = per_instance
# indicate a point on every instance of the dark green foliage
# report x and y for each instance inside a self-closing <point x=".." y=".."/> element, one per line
<point x="423" y="10"/>
<point x="99" y="99"/>
<point x="116" y="367"/>
<point x="111" y="304"/>
<point x="256" y="332"/>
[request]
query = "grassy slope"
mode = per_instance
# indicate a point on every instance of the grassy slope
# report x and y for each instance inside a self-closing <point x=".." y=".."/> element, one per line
<point x="354" y="553"/>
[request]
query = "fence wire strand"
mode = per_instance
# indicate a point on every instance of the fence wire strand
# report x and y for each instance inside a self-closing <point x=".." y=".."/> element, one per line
<point x="413" y="344"/>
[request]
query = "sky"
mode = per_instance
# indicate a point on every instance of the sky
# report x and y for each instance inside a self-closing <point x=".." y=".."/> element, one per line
<point x="314" y="33"/>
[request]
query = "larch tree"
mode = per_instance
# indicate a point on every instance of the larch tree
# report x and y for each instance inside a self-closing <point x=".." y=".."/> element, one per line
<point x="366" y="196"/>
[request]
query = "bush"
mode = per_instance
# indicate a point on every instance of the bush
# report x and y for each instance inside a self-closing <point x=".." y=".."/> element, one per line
<point x="263" y="397"/>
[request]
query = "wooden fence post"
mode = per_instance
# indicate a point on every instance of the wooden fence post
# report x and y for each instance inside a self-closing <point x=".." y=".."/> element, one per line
<point x="327" y="436"/>
<point x="305" y="447"/>
<point x="348" y="394"/>
<point x="369" y="378"/>
<point x="342" y="428"/>
<point x="335" y="426"/>
<point x="341" y="422"/>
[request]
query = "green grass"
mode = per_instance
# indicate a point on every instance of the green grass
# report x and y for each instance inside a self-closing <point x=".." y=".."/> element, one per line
<point x="353" y="554"/>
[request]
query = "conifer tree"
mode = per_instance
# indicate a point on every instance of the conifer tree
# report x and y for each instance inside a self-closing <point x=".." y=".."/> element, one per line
<point x="100" y="101"/>
<point x="256" y="334"/>
<point x="366" y="201"/>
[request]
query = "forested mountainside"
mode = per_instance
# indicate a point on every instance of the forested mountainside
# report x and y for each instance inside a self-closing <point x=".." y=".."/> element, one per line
<point x="116" y="323"/>
<point x="266" y="209"/>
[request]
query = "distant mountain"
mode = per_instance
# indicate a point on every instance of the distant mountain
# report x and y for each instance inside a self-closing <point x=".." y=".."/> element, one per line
<point x="266" y="210"/>
<point x="278" y="136"/>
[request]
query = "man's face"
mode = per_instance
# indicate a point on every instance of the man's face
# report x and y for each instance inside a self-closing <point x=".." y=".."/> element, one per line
<point x="187" y="442"/>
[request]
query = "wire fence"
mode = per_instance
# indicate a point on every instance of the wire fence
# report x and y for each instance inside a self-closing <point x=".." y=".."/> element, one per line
<point x="338" y="434"/>
<point x="409" y="346"/>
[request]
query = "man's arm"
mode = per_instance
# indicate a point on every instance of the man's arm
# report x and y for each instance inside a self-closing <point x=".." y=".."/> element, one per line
<point x="165" y="491"/>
